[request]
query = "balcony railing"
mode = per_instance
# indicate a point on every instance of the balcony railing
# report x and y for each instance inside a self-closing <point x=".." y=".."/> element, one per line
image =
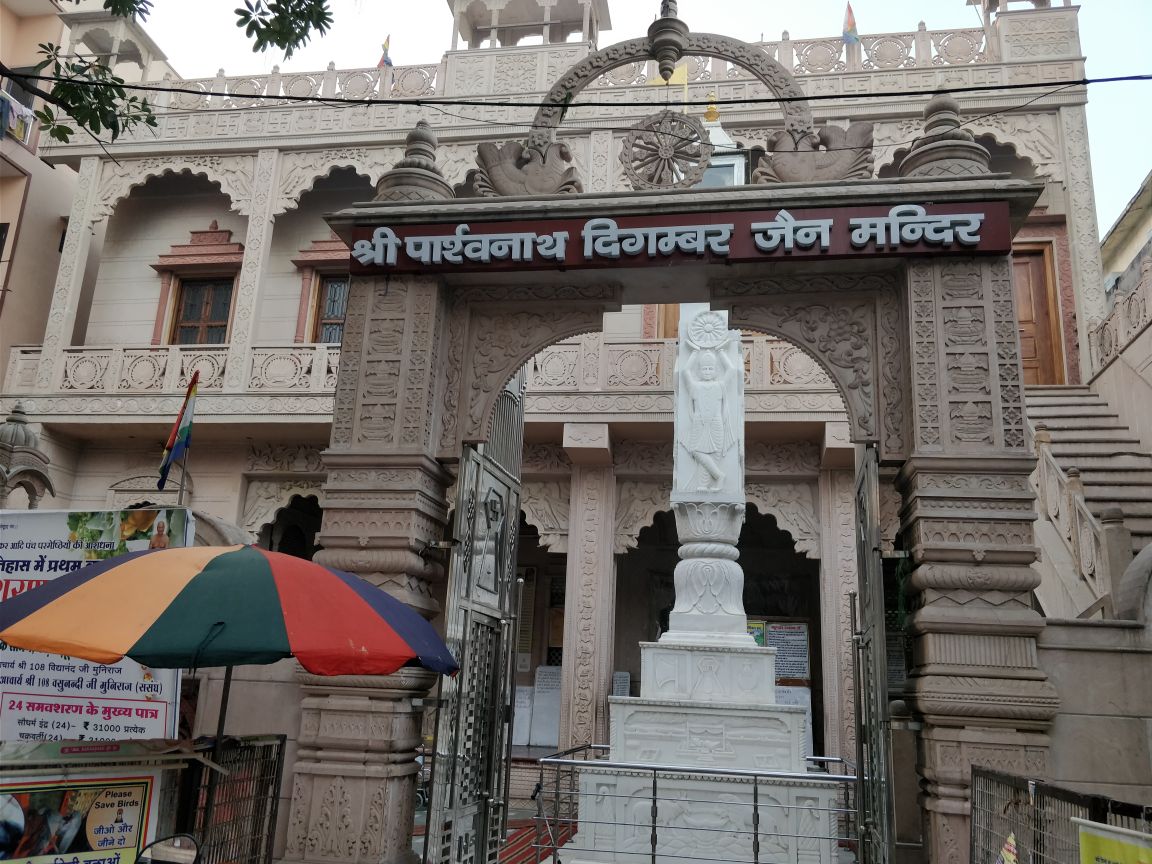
<point x="1130" y="317"/>
<point x="587" y="364"/>
<point x="167" y="370"/>
<point x="920" y="48"/>
<point x="592" y="364"/>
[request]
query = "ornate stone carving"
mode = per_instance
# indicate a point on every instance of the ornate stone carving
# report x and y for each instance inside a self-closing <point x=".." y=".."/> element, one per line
<point x="283" y="457"/>
<point x="512" y="169"/>
<point x="637" y="503"/>
<point x="236" y="176"/>
<point x="945" y="149"/>
<point x="1085" y="233"/>
<point x="545" y="504"/>
<point x="831" y="154"/>
<point x="70" y="275"/>
<point x="797" y="116"/>
<point x="257" y="245"/>
<point x="300" y="169"/>
<point x="545" y="459"/>
<point x="708" y="481"/>
<point x="416" y="177"/>
<point x="264" y="497"/>
<point x="840" y="334"/>
<point x="665" y="150"/>
<point x="589" y="613"/>
<point x="793" y="507"/>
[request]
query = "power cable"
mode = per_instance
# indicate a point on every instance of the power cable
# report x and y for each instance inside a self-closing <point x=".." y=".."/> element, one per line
<point x="418" y="101"/>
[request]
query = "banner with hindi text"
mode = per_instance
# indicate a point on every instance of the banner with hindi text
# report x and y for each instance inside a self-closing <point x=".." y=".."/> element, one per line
<point x="51" y="697"/>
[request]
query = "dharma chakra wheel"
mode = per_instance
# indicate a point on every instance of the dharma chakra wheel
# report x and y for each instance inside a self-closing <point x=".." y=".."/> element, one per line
<point x="665" y="151"/>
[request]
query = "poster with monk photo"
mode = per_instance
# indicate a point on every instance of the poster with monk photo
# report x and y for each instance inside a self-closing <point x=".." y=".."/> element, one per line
<point x="52" y="698"/>
<point x="97" y="820"/>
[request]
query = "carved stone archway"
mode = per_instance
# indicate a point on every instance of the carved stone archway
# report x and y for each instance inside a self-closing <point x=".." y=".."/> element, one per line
<point x="851" y="327"/>
<point x="499" y="329"/>
<point x="232" y="174"/>
<point x="797" y="115"/>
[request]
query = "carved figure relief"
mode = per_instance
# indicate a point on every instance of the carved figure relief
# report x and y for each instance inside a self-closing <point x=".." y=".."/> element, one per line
<point x="707" y="382"/>
<point x="666" y="150"/>
<point x="831" y="154"/>
<point x="512" y="169"/>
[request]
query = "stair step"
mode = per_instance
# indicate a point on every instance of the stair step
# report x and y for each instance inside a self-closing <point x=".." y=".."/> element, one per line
<point x="1057" y="388"/>
<point x="1072" y="436"/>
<point x="1137" y="492"/>
<point x="1133" y="508"/>
<point x="1100" y="456"/>
<point x="1063" y="398"/>
<point x="1108" y="476"/>
<point x="1080" y="422"/>
<point x="1041" y="414"/>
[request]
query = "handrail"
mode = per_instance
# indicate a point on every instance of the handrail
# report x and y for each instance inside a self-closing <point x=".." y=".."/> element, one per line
<point x="687" y="769"/>
<point x="1101" y="548"/>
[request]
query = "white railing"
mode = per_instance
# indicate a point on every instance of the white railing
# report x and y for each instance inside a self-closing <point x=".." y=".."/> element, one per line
<point x="1128" y="319"/>
<point x="1100" y="548"/>
<point x="587" y="364"/>
<point x="921" y="48"/>
<point x="168" y="369"/>
<point x="244" y="91"/>
<point x="594" y="365"/>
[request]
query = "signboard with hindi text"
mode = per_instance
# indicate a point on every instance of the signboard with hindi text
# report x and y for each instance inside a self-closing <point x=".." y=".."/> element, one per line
<point x="52" y="697"/>
<point x="741" y="236"/>
<point x="104" y="819"/>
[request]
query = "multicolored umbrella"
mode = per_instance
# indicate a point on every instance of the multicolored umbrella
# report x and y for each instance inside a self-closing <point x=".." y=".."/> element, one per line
<point x="223" y="606"/>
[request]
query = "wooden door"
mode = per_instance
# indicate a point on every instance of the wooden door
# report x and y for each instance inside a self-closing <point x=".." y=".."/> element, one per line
<point x="1041" y="353"/>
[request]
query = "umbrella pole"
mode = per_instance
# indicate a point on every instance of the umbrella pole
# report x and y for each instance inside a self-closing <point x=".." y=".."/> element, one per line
<point x="210" y="795"/>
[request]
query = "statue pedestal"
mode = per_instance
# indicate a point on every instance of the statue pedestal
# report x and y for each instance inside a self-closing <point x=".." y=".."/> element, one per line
<point x="704" y="707"/>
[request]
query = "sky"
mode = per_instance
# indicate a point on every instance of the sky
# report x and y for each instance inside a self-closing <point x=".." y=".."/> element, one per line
<point x="199" y="37"/>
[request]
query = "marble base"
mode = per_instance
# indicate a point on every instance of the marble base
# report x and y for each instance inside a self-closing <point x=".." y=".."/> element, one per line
<point x="701" y="819"/>
<point x="704" y="706"/>
<point x="708" y="672"/>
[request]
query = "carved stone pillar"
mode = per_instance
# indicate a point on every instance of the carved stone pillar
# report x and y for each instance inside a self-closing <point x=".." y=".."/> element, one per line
<point x="967" y="520"/>
<point x="590" y="587"/>
<point x="257" y="244"/>
<point x="69" y="275"/>
<point x="1085" y="245"/>
<point x="356" y="810"/>
<point x="385" y="508"/>
<point x="385" y="499"/>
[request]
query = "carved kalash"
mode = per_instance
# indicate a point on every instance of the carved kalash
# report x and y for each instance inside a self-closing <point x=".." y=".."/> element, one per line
<point x="707" y="697"/>
<point x="899" y="288"/>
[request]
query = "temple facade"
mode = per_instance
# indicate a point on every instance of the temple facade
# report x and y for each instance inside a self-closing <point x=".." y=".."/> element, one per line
<point x="204" y="247"/>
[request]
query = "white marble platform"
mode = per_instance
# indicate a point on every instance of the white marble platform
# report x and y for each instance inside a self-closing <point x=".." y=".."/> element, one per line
<point x="708" y="673"/>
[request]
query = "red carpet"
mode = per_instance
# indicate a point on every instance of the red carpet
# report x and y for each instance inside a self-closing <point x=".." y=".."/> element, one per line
<point x="520" y="847"/>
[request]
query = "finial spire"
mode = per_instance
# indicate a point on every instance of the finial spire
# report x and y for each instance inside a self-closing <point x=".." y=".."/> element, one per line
<point x="668" y="9"/>
<point x="711" y="113"/>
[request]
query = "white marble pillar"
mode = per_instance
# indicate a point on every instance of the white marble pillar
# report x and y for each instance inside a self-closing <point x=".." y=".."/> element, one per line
<point x="70" y="275"/>
<point x="257" y="243"/>
<point x="708" y="496"/>
<point x="590" y="587"/>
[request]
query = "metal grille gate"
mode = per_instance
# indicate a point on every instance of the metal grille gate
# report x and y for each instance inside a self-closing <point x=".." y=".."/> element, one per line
<point x="874" y="802"/>
<point x="467" y="813"/>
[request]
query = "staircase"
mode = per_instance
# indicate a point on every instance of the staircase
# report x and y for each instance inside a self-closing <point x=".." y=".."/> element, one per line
<point x="1115" y="470"/>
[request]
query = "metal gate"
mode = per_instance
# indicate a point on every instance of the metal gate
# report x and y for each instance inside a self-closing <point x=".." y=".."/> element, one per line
<point x="874" y="802"/>
<point x="466" y="812"/>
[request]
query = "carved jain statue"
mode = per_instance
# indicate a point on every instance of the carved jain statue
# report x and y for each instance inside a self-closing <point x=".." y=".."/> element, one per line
<point x="708" y="480"/>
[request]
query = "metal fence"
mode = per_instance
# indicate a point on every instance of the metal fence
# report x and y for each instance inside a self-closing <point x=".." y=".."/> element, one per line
<point x="1039" y="816"/>
<point x="232" y="815"/>
<point x="752" y="825"/>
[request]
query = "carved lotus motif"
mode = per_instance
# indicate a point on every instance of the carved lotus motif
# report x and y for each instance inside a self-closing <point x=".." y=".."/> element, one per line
<point x="831" y="154"/>
<point x="513" y="169"/>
